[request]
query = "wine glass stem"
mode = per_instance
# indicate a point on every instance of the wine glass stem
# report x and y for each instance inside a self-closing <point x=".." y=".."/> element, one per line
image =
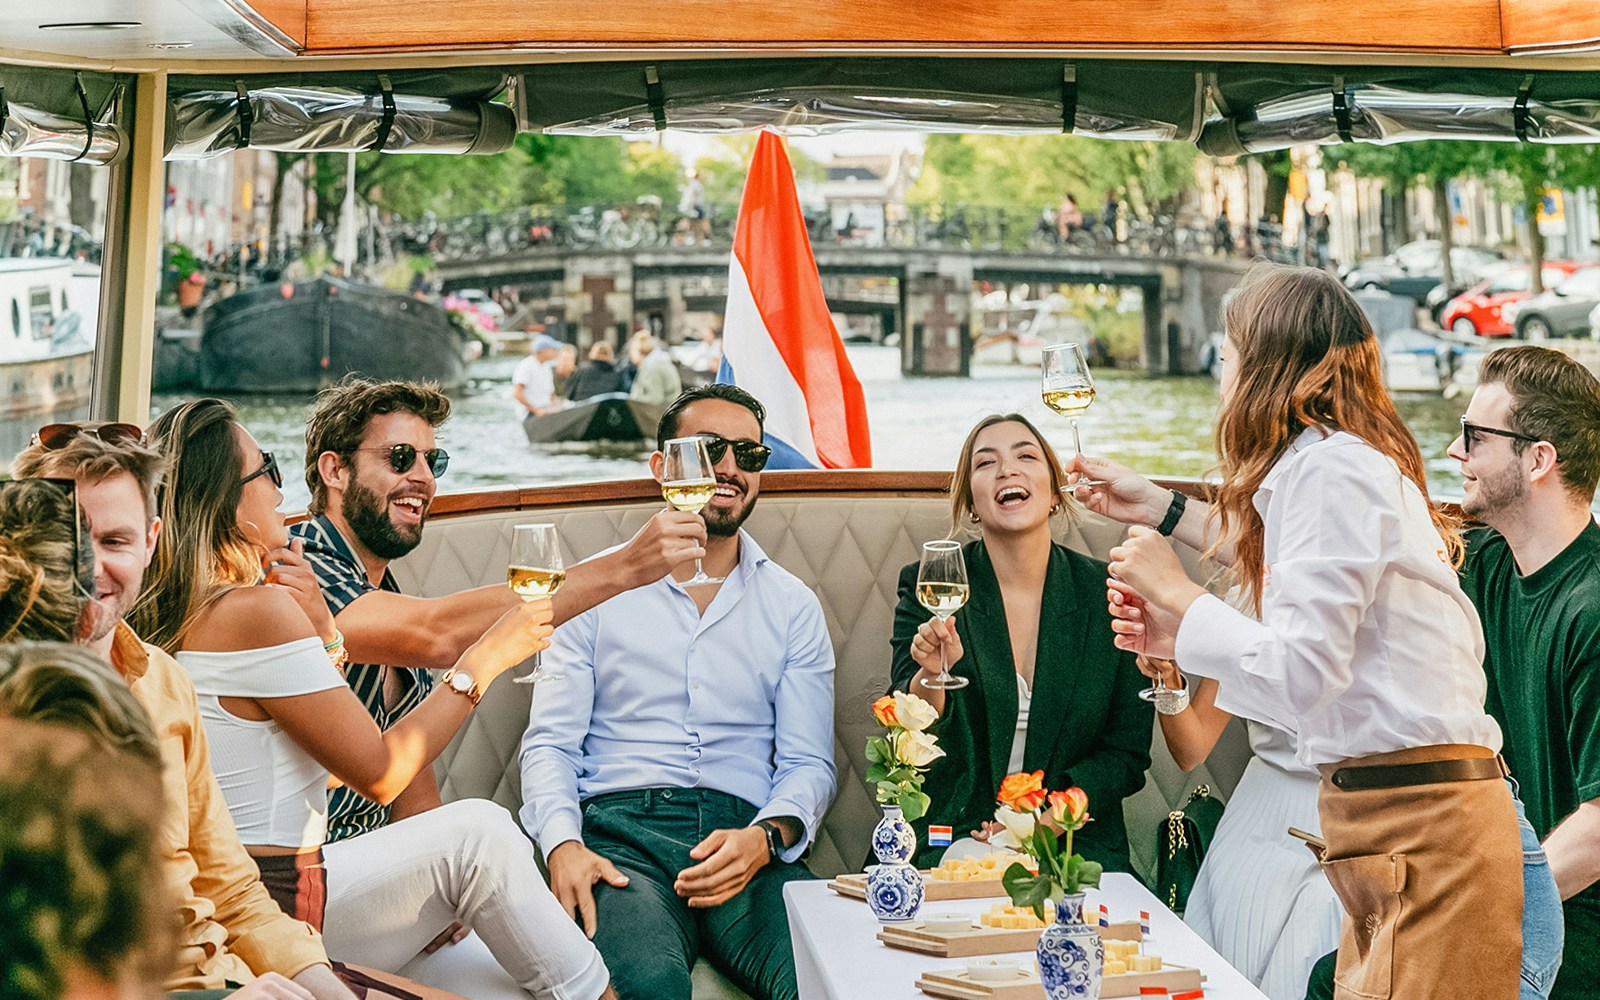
<point x="1077" y="443"/>
<point x="698" y="570"/>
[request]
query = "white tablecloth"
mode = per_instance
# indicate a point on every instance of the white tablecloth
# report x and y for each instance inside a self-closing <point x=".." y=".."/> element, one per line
<point x="839" y="957"/>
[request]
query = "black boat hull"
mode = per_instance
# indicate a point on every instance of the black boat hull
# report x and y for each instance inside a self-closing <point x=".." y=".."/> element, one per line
<point x="297" y="338"/>
<point x="612" y="417"/>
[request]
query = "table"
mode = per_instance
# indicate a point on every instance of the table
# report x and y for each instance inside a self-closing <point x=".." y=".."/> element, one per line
<point x="839" y="957"/>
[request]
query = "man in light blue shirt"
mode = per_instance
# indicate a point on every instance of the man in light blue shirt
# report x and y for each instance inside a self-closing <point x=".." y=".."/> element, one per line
<point x="678" y="774"/>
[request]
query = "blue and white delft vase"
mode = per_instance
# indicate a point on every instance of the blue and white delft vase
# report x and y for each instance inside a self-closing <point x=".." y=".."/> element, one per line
<point x="894" y="886"/>
<point x="1071" y="954"/>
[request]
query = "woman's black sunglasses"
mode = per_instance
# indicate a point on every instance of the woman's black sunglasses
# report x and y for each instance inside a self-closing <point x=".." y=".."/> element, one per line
<point x="269" y="468"/>
<point x="403" y="456"/>
<point x="749" y="456"/>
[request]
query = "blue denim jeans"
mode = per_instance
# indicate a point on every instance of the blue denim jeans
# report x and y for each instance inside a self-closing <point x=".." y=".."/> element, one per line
<point x="1542" y="922"/>
<point x="1543" y="929"/>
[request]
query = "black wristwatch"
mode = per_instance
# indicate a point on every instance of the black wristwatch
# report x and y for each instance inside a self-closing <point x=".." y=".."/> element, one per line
<point x="775" y="845"/>
<point x="1174" y="513"/>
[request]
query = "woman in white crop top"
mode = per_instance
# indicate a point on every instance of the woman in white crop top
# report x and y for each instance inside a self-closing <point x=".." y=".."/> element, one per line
<point x="280" y="720"/>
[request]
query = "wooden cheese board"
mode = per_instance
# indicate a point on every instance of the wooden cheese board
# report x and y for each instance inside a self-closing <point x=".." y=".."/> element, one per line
<point x="980" y="940"/>
<point x="854" y="886"/>
<point x="956" y="984"/>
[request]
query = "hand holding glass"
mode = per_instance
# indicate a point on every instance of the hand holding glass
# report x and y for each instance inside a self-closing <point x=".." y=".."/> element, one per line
<point x="535" y="571"/>
<point x="942" y="589"/>
<point x="1067" y="388"/>
<point x="688" y="482"/>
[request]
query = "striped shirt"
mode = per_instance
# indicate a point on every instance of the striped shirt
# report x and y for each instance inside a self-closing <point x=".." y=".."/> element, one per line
<point x="343" y="579"/>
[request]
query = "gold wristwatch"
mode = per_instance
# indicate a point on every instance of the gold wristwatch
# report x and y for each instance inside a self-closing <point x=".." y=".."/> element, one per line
<point x="462" y="683"/>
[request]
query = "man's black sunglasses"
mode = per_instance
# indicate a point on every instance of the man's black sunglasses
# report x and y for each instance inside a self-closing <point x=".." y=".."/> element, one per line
<point x="749" y="456"/>
<point x="403" y="456"/>
<point x="269" y="468"/>
<point x="1470" y="432"/>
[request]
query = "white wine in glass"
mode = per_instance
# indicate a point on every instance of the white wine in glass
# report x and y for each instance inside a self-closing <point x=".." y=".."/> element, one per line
<point x="688" y="482"/>
<point x="1066" y="387"/>
<point x="942" y="589"/>
<point x="535" y="571"/>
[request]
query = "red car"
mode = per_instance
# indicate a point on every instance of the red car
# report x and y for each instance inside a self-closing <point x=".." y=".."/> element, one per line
<point x="1477" y="310"/>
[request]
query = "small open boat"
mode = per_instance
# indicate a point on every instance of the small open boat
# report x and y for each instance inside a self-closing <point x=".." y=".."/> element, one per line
<point x="609" y="417"/>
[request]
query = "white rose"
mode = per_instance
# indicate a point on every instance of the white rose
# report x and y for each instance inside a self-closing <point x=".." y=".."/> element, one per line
<point x="1018" y="828"/>
<point x="917" y="749"/>
<point x="913" y="713"/>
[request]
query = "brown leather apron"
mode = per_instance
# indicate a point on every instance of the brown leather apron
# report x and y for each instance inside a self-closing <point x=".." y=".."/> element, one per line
<point x="1430" y="875"/>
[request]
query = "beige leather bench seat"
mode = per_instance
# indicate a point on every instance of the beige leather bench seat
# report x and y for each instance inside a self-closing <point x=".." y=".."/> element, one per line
<point x="846" y="536"/>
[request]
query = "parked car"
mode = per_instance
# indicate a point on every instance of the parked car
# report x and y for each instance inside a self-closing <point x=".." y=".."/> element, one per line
<point x="1415" y="268"/>
<point x="1477" y="311"/>
<point x="1563" y="311"/>
<point x="483" y="302"/>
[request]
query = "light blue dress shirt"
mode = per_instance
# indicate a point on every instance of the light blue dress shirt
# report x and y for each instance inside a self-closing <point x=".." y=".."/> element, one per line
<point x="656" y="695"/>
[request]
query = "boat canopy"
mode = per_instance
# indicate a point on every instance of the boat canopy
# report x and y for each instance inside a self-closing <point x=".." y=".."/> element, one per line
<point x="61" y="114"/>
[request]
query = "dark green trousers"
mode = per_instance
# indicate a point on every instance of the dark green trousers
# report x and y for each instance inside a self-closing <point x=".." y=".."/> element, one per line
<point x="649" y="937"/>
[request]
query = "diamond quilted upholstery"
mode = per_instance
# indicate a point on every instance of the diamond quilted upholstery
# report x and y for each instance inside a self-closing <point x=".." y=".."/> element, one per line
<point x="848" y="551"/>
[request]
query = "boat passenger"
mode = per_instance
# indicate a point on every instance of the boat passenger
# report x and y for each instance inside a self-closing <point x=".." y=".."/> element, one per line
<point x="562" y="367"/>
<point x="232" y="931"/>
<point x="533" y="382"/>
<point x="264" y="661"/>
<point x="657" y="381"/>
<point x="372" y="471"/>
<point x="1366" y="646"/>
<point x="1050" y="692"/>
<point x="85" y="909"/>
<point x="597" y="376"/>
<point x="679" y="773"/>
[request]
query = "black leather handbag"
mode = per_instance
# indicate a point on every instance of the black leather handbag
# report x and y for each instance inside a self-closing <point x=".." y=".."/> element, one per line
<point x="1181" y="844"/>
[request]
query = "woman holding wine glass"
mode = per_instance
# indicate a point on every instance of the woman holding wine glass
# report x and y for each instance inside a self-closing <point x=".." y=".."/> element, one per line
<point x="237" y="605"/>
<point x="1044" y="688"/>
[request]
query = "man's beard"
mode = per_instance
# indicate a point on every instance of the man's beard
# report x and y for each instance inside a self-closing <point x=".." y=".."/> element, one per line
<point x="1497" y="496"/>
<point x="726" y="524"/>
<point x="367" y="514"/>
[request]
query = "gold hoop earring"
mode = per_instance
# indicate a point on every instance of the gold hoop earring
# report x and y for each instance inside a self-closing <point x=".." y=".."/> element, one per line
<point x="974" y="516"/>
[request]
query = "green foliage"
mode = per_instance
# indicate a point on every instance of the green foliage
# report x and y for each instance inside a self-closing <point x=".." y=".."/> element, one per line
<point x="1027" y="173"/>
<point x="1027" y="889"/>
<point x="895" y="783"/>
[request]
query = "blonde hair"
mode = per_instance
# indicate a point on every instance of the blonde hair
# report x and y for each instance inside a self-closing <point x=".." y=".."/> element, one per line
<point x="86" y="458"/>
<point x="46" y="563"/>
<point x="961" y="478"/>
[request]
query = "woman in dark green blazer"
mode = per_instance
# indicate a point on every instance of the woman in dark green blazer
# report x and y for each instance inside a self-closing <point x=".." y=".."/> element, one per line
<point x="1037" y="611"/>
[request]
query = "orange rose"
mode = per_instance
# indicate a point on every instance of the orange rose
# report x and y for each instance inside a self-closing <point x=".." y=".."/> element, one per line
<point x="1022" y="792"/>
<point x="883" y="711"/>
<point x="1069" y="810"/>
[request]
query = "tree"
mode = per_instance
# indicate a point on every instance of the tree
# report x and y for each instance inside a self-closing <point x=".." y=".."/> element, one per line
<point x="1434" y="162"/>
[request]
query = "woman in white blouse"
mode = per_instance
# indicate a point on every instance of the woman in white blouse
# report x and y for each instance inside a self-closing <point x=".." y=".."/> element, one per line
<point x="280" y="720"/>
<point x="1366" y="649"/>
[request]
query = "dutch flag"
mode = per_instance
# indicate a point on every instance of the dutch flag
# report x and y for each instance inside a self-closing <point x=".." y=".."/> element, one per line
<point x="778" y="338"/>
<point x="1144" y="923"/>
<point x="939" y="836"/>
<point x="1105" y="916"/>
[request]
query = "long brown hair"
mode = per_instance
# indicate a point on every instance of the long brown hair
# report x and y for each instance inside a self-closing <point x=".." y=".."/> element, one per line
<point x="203" y="553"/>
<point x="1307" y="357"/>
<point x="46" y="563"/>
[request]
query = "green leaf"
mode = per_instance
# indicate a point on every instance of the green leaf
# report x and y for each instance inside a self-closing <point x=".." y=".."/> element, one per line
<point x="913" y="804"/>
<point x="877" y="773"/>
<point x="877" y="750"/>
<point x="1026" y="889"/>
<point x="1089" y="873"/>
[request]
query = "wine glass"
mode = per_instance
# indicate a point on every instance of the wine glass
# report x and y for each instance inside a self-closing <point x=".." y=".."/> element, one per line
<point x="942" y="589"/>
<point x="1067" y="388"/>
<point x="688" y="482"/>
<point x="535" y="571"/>
<point x="1158" y="686"/>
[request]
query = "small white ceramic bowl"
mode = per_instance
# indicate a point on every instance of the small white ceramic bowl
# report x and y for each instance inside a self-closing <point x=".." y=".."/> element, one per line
<point x="993" y="970"/>
<point x="946" y="923"/>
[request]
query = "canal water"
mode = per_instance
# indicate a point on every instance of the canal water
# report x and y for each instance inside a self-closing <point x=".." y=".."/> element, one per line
<point x="1160" y="426"/>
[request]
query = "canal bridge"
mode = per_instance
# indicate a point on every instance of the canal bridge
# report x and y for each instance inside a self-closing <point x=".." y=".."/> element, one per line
<point x="923" y="292"/>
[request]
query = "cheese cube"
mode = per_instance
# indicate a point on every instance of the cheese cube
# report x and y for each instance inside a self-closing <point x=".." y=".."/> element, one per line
<point x="1115" y="967"/>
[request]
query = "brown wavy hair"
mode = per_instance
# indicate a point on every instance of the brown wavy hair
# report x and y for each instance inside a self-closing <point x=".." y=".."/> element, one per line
<point x="1307" y="357"/>
<point x="203" y="553"/>
<point x="338" y="421"/>
<point x="46" y="567"/>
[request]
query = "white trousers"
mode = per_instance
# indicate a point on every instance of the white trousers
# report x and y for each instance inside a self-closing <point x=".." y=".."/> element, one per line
<point x="392" y="891"/>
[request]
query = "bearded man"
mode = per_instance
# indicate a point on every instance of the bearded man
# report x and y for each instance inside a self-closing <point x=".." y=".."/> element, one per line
<point x="677" y="776"/>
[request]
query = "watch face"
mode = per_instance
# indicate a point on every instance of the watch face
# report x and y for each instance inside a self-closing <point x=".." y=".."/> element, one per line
<point x="461" y="682"/>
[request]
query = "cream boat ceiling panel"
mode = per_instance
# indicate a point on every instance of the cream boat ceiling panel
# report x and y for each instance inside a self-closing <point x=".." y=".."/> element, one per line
<point x="161" y="31"/>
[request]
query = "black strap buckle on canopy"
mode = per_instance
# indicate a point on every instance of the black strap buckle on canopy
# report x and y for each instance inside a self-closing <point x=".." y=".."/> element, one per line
<point x="247" y="115"/>
<point x="656" y="96"/>
<point x="1069" y="97"/>
<point x="88" y="118"/>
<point x="1341" y="109"/>
<point x="387" y="124"/>
<point x="5" y="112"/>
<point x="1519" y="110"/>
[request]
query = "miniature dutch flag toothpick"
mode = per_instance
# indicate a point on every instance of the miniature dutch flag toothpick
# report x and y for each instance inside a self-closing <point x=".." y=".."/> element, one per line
<point x="939" y="836"/>
<point x="1105" y="916"/>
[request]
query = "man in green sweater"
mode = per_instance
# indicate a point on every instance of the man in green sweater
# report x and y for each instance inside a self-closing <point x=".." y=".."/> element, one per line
<point x="1530" y="455"/>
